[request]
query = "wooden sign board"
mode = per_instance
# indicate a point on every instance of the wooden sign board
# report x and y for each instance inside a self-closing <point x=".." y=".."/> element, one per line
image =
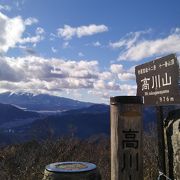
<point x="126" y="138"/>
<point x="158" y="81"/>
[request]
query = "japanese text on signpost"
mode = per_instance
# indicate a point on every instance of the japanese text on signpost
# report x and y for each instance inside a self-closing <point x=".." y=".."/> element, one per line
<point x="158" y="81"/>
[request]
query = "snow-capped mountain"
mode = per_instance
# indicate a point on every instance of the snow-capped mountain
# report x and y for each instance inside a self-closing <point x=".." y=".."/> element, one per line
<point x="41" y="102"/>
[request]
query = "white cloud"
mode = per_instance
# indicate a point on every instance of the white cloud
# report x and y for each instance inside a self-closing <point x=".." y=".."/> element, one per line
<point x="54" y="50"/>
<point x="126" y="76"/>
<point x="117" y="90"/>
<point x="52" y="36"/>
<point x="117" y="68"/>
<point x="105" y="75"/>
<point x="118" y="44"/>
<point x="8" y="73"/>
<point x="80" y="54"/>
<point x="67" y="74"/>
<point x="34" y="39"/>
<point x="66" y="45"/>
<point x="10" y="32"/>
<point x="5" y="7"/>
<point x="74" y="93"/>
<point x="132" y="69"/>
<point x="68" y="32"/>
<point x="170" y="44"/>
<point x="102" y="94"/>
<point x="135" y="47"/>
<point x="97" y="44"/>
<point x="40" y="30"/>
<point x="129" y="90"/>
<point x="112" y="85"/>
<point x="19" y="4"/>
<point x="29" y="51"/>
<point x="129" y="40"/>
<point x="37" y="74"/>
<point x="106" y="96"/>
<point x="102" y="85"/>
<point x="31" y="20"/>
<point x="121" y="73"/>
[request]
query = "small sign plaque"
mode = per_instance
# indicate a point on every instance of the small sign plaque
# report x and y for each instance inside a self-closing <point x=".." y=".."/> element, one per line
<point x="158" y="81"/>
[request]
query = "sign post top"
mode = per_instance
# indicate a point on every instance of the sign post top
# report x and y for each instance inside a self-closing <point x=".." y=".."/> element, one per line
<point x="126" y="100"/>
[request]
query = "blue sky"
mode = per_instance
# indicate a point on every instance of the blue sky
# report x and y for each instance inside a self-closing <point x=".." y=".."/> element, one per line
<point x="83" y="49"/>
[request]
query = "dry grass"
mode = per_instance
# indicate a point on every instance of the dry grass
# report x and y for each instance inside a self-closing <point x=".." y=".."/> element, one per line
<point x="27" y="161"/>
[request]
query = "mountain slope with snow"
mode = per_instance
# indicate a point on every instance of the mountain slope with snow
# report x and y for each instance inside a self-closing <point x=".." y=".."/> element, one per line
<point x="42" y="102"/>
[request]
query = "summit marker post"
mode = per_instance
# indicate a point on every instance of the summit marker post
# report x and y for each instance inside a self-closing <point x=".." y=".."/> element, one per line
<point x="126" y="138"/>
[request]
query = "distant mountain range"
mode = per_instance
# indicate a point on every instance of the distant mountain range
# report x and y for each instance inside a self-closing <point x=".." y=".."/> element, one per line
<point x="41" y="102"/>
<point x="9" y="113"/>
<point x="82" y="123"/>
<point x="20" y="119"/>
<point x="19" y="123"/>
<point x="12" y="118"/>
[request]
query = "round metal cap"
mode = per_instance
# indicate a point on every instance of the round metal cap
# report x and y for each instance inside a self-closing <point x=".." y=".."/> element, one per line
<point x="63" y="167"/>
<point x="126" y="100"/>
